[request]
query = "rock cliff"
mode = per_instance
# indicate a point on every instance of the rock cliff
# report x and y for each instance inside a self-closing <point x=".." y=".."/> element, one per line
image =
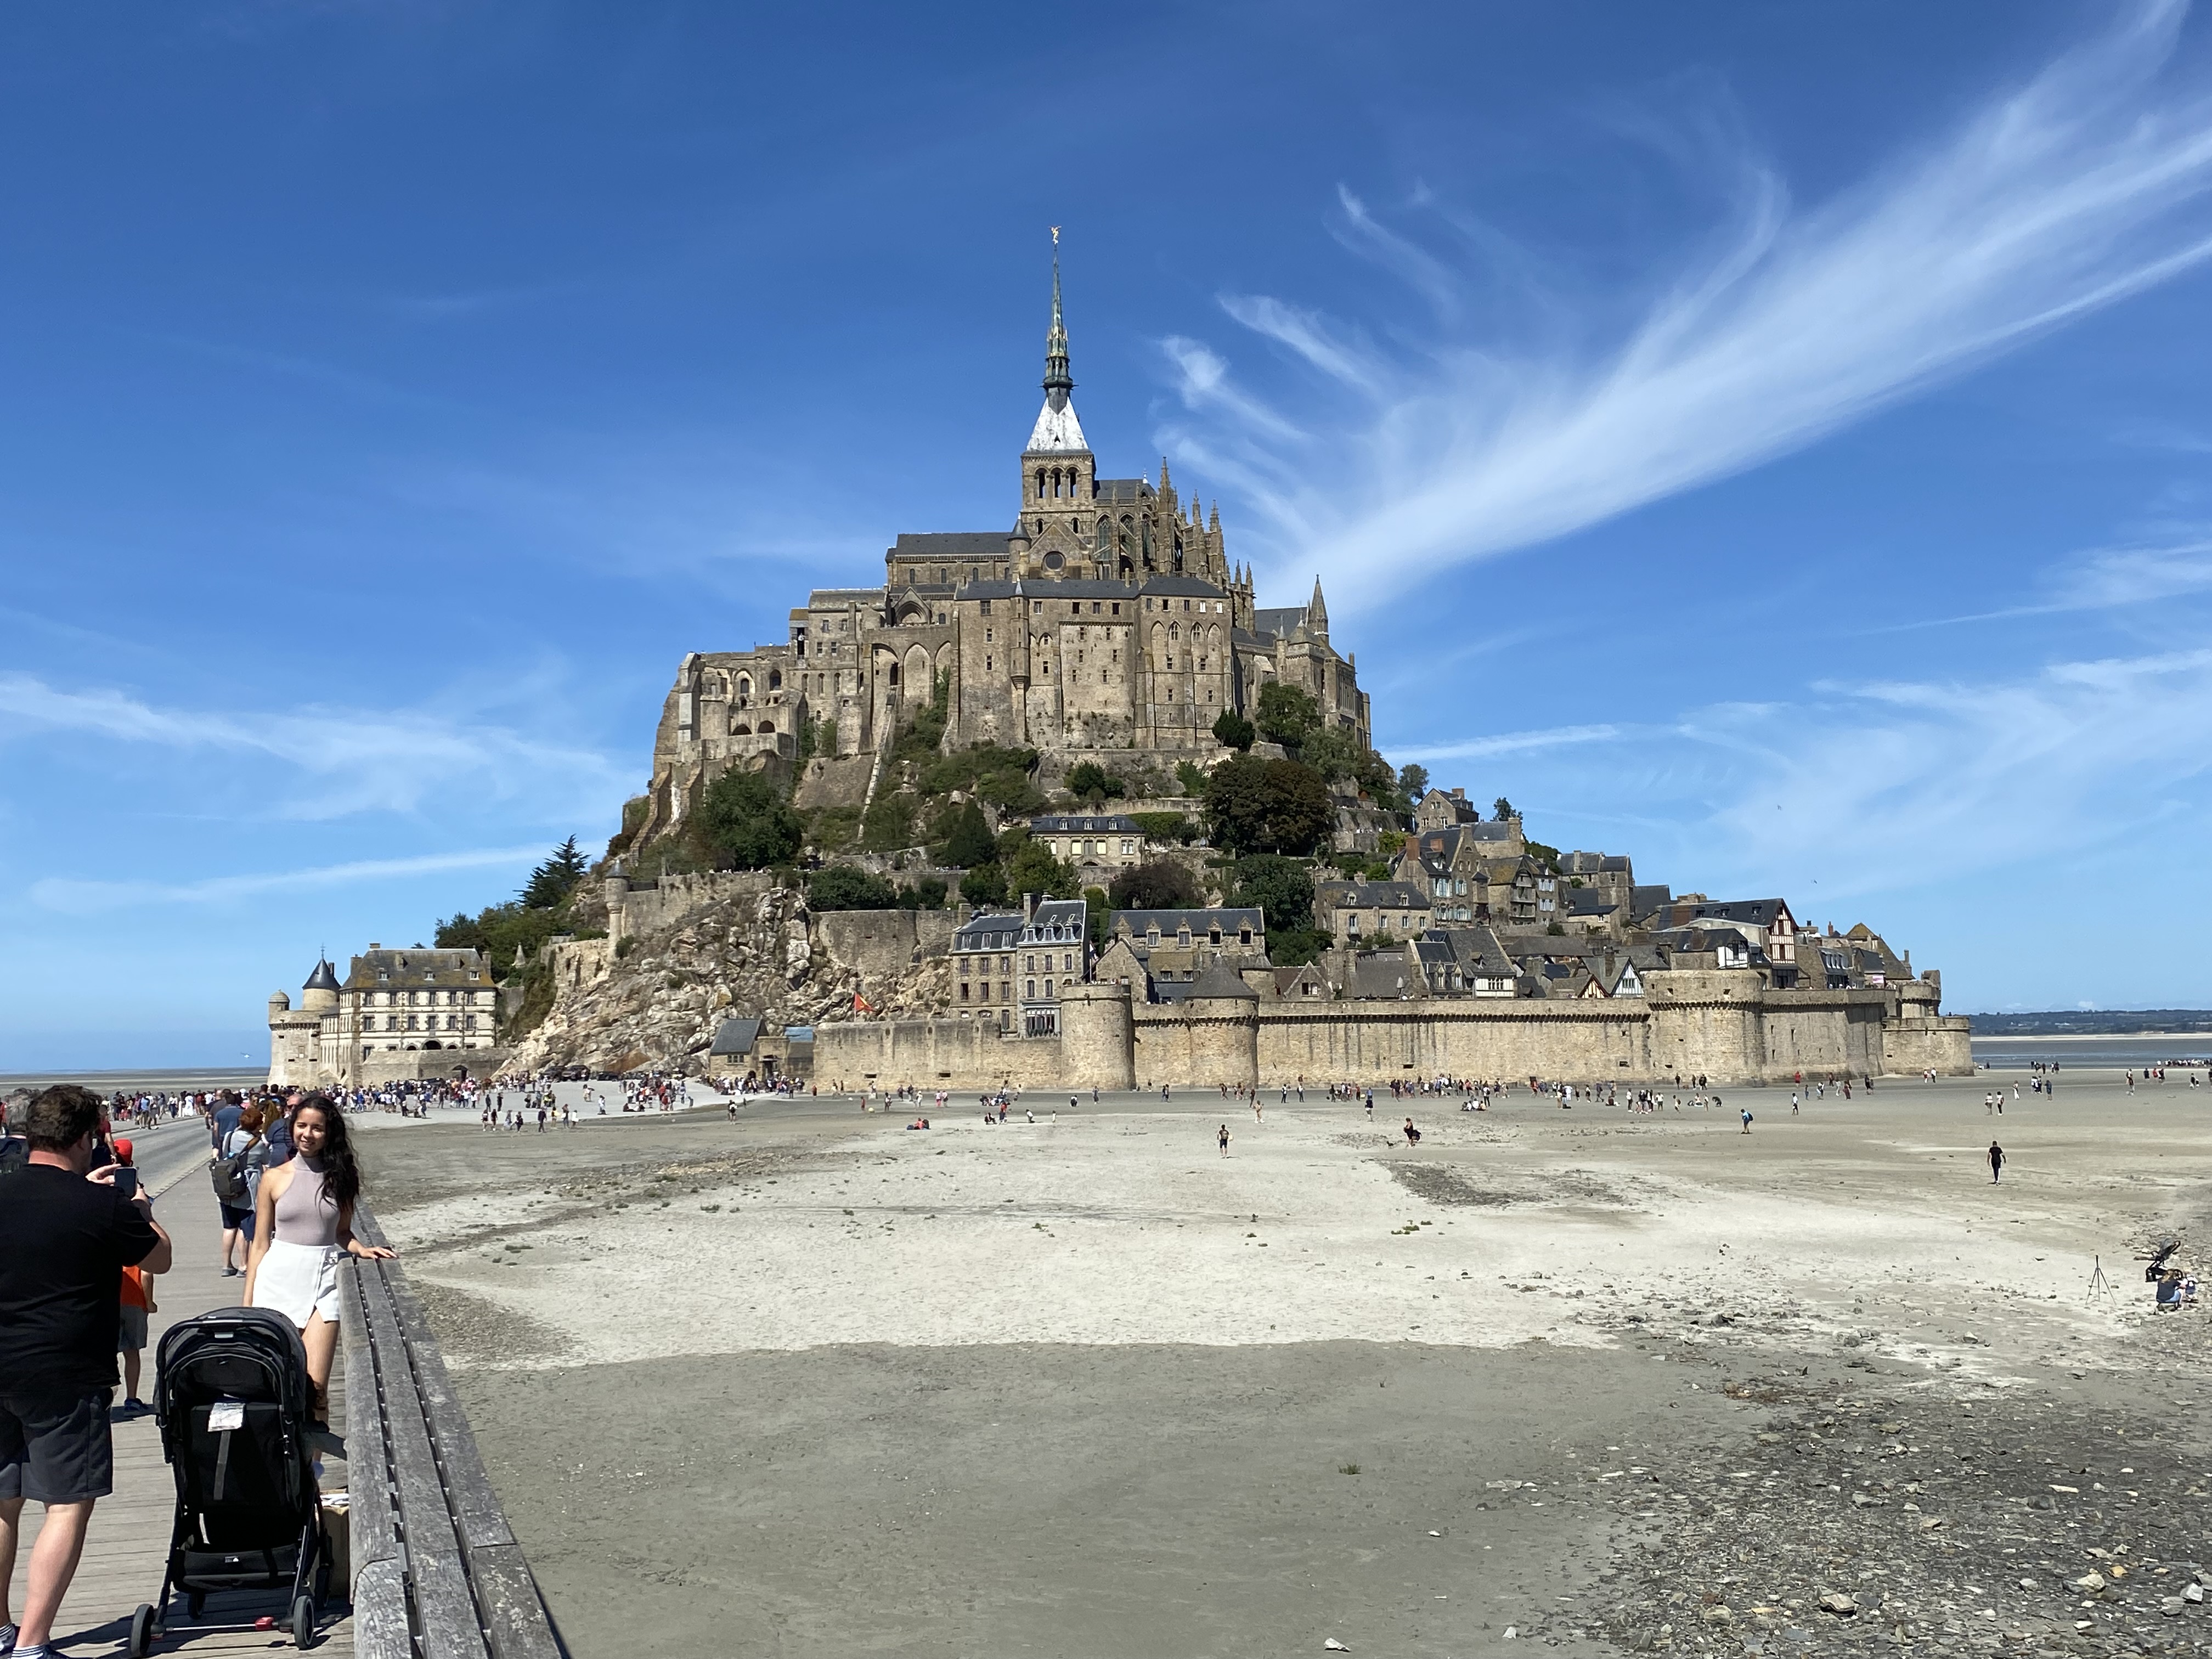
<point x="737" y="948"/>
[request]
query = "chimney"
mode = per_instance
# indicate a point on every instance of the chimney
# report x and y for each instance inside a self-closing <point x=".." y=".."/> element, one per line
<point x="373" y="945"/>
<point x="1029" y="907"/>
<point x="1459" y="794"/>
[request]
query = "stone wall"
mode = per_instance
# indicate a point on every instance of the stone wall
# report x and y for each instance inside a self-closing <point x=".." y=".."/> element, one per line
<point x="1941" y="1043"/>
<point x="884" y="942"/>
<point x="1723" y="1026"/>
<point x="932" y="1053"/>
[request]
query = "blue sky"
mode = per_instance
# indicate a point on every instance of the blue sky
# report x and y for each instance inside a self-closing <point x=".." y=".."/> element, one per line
<point x="1771" y="441"/>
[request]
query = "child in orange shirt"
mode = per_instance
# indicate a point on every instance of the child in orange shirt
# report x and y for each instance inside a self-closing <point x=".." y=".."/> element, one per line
<point x="137" y="1302"/>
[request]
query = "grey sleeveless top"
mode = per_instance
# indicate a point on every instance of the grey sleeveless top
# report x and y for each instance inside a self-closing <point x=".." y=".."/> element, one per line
<point x="302" y="1217"/>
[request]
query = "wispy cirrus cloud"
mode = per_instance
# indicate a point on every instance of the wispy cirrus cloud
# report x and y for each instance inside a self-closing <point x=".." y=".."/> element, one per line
<point x="1514" y="743"/>
<point x="333" y="760"/>
<point x="2090" y="183"/>
<point x="2104" y="579"/>
<point x="1880" y="785"/>
<point x="84" y="898"/>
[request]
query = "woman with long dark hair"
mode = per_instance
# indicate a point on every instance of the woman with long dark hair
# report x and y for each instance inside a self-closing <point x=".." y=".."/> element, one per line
<point x="303" y="1218"/>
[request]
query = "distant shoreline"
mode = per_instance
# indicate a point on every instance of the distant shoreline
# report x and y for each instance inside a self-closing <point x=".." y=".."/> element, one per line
<point x="2088" y="1036"/>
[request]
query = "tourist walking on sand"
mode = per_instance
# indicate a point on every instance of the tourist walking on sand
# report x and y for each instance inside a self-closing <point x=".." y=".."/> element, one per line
<point x="305" y="1222"/>
<point x="1225" y="1140"/>
<point x="1997" y="1162"/>
<point x="1746" y="1119"/>
<point x="1412" y="1135"/>
<point x="66" y="1234"/>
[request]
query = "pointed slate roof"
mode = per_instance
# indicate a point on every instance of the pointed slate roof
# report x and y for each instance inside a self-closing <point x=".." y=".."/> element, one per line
<point x="324" y="978"/>
<point x="1217" y="982"/>
<point x="1057" y="432"/>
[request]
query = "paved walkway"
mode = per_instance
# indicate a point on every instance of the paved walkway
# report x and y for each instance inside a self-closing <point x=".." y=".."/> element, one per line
<point x="123" y="1553"/>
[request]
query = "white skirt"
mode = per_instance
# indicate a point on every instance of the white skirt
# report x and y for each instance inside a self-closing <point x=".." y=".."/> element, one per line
<point x="297" y="1280"/>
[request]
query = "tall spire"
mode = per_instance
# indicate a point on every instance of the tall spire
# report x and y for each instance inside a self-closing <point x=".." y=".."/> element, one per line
<point x="1318" y="612"/>
<point x="1056" y="377"/>
<point x="1057" y="430"/>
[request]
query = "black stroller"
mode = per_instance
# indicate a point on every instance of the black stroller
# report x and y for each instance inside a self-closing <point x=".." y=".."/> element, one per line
<point x="233" y="1399"/>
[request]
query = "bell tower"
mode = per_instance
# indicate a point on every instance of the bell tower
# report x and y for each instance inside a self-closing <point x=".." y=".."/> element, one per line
<point x="1059" y="472"/>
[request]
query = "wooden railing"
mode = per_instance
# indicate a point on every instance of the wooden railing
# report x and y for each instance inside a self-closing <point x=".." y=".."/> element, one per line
<point x="436" y="1572"/>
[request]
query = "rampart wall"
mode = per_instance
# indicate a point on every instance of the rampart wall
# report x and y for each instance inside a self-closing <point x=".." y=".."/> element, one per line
<point x="1725" y="1026"/>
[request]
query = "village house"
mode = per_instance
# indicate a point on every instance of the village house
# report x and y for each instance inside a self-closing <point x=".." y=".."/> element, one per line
<point x="1010" y="964"/>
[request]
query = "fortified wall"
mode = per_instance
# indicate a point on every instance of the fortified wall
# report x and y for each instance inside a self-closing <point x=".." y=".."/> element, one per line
<point x="1726" y="1025"/>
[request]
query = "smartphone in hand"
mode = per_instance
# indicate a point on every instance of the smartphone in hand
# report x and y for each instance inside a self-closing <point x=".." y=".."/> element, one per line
<point x="126" y="1180"/>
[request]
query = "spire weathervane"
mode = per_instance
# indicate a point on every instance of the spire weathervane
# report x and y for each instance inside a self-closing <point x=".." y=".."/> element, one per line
<point x="1058" y="383"/>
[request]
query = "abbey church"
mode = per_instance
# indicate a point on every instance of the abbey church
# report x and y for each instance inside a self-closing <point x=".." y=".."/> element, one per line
<point x="1107" y="618"/>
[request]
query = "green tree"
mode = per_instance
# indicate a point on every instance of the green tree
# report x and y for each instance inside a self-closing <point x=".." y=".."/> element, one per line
<point x="1031" y="868"/>
<point x="927" y="894"/>
<point x="1192" y="778"/>
<point x="551" y="882"/>
<point x="1413" y="781"/>
<point x="1088" y="780"/>
<point x="1156" y="885"/>
<point x="1281" y="887"/>
<point x="1165" y="826"/>
<point x="745" y="818"/>
<point x="967" y="838"/>
<point x="1097" y="907"/>
<point x="1288" y="714"/>
<point x="1267" y="806"/>
<point x="1335" y="754"/>
<point x="846" y="887"/>
<point x="1501" y="809"/>
<point x="984" y="885"/>
<point x="888" y="824"/>
<point x="1232" y="730"/>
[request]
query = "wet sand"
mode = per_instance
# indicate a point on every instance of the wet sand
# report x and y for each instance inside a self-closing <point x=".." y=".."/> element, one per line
<point x="808" y="1382"/>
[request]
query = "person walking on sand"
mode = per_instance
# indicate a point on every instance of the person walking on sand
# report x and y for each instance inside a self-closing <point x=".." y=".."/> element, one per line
<point x="1793" y="1103"/>
<point x="1412" y="1135"/>
<point x="1997" y="1162"/>
<point x="1257" y="1118"/>
<point x="1746" y="1119"/>
<point x="1225" y="1140"/>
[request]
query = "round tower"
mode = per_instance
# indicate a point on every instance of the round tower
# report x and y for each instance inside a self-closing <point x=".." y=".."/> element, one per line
<point x="1097" y="1045"/>
<point x="320" y="993"/>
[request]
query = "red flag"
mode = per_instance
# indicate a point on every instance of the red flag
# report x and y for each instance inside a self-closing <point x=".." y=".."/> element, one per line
<point x="860" y="1004"/>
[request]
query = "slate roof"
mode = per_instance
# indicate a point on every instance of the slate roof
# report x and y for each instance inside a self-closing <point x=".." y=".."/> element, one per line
<point x="1218" y="982"/>
<point x="1122" y="492"/>
<point x="1371" y="895"/>
<point x="1590" y="902"/>
<point x="324" y="978"/>
<point x="1112" y="824"/>
<point x="1075" y="587"/>
<point x="1278" y="623"/>
<point x="1002" y="930"/>
<point x="381" y="970"/>
<point x="822" y="598"/>
<point x="1182" y="587"/>
<point x="951" y="544"/>
<point x="1233" y="920"/>
<point x="1593" y="864"/>
<point x="736" y="1036"/>
<point x="1643" y="901"/>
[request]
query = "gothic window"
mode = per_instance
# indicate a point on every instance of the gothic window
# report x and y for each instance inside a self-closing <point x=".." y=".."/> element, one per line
<point x="744" y="686"/>
<point x="1040" y="484"/>
<point x="1175" y="632"/>
<point x="894" y="673"/>
<point x="775" y="678"/>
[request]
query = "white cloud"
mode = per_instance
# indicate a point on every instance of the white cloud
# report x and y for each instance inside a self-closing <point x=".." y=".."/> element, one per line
<point x="74" y="898"/>
<point x="2091" y="182"/>
<point x="1900" y="783"/>
<point x="340" y="761"/>
<point x="1510" y="742"/>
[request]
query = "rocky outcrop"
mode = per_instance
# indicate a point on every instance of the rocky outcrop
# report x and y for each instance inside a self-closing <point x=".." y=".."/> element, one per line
<point x="657" y="998"/>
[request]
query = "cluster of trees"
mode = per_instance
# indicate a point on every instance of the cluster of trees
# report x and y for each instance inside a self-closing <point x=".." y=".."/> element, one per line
<point x="1288" y="715"/>
<point x="849" y="887"/>
<point x="525" y="922"/>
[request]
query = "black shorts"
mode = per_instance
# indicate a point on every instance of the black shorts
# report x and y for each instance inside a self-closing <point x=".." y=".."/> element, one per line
<point x="55" y="1446"/>
<point x="233" y="1215"/>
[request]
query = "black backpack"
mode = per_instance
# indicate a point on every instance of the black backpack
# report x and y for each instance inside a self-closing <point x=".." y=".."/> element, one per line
<point x="229" y="1177"/>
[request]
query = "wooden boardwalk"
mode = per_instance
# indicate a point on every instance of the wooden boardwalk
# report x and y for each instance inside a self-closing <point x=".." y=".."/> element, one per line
<point x="123" y="1553"/>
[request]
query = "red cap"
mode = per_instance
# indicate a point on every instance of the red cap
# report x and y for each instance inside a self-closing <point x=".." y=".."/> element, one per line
<point x="121" y="1150"/>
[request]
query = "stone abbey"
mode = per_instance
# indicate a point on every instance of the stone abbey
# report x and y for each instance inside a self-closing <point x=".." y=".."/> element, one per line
<point x="1107" y="618"/>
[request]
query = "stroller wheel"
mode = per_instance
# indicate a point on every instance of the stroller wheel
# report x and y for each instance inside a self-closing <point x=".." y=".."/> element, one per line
<point x="303" y="1621"/>
<point x="142" y="1631"/>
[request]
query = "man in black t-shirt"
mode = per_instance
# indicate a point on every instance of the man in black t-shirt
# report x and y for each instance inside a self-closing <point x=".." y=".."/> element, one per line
<point x="66" y="1237"/>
